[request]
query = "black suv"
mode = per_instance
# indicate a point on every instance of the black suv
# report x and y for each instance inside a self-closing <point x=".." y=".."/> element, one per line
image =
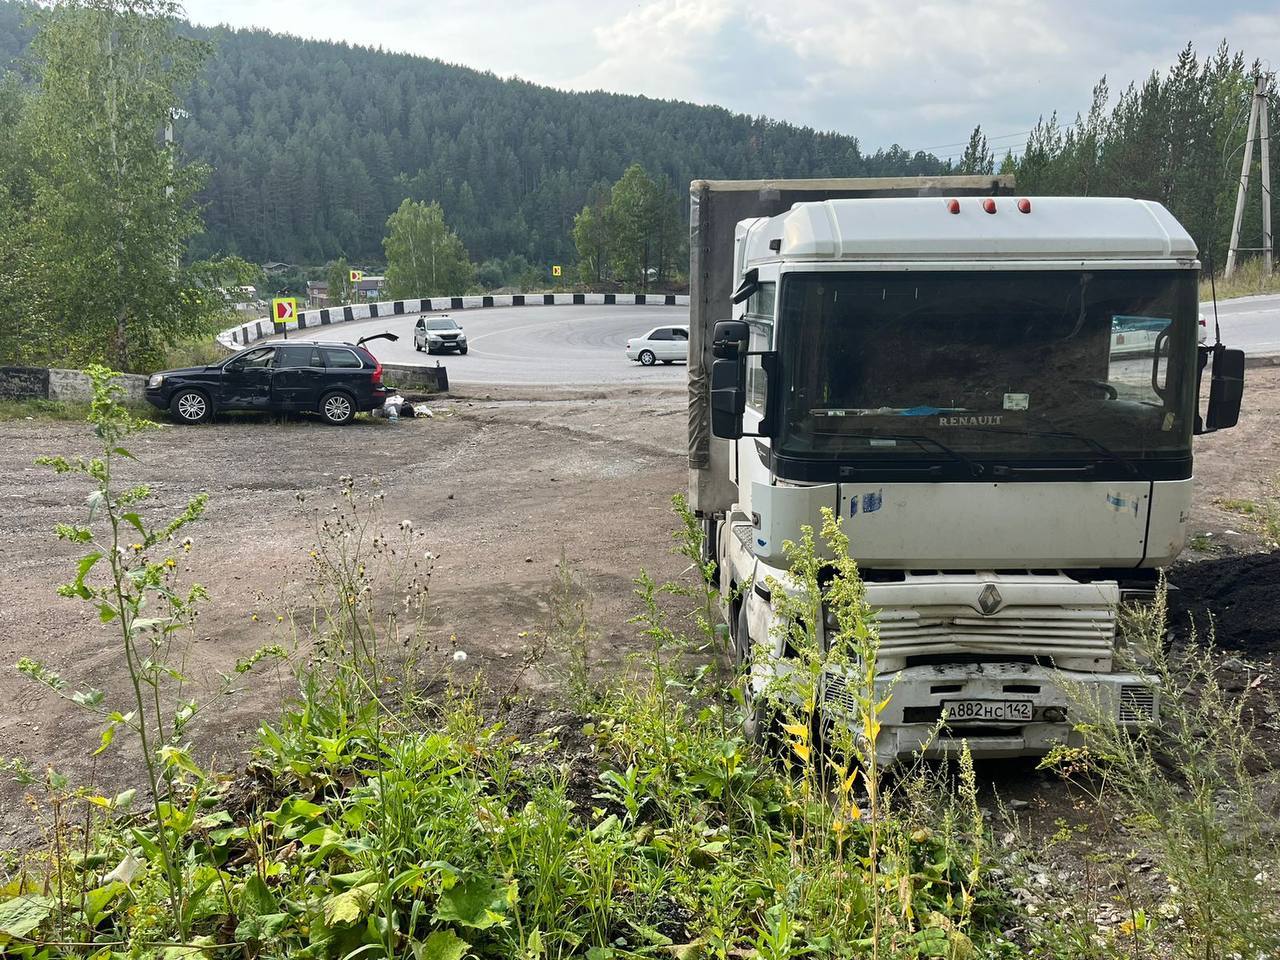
<point x="333" y="379"/>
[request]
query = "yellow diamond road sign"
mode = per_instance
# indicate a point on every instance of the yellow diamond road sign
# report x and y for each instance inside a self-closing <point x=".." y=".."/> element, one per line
<point x="555" y="271"/>
<point x="284" y="309"/>
<point x="357" y="276"/>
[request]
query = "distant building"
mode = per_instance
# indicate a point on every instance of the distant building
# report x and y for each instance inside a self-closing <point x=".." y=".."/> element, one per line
<point x="317" y="293"/>
<point x="370" y="288"/>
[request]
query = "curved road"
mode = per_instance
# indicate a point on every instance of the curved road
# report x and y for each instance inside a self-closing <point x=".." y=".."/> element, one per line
<point x="561" y="345"/>
<point x="1249" y="323"/>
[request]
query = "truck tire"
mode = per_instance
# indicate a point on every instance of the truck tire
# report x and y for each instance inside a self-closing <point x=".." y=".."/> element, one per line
<point x="647" y="358"/>
<point x="189" y="405"/>
<point x="337" y="407"/>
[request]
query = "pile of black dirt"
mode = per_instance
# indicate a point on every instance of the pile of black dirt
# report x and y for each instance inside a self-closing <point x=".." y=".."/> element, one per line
<point x="1237" y="598"/>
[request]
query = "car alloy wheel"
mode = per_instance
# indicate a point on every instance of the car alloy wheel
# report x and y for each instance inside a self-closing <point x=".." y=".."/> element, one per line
<point x="647" y="358"/>
<point x="337" y="408"/>
<point x="191" y="406"/>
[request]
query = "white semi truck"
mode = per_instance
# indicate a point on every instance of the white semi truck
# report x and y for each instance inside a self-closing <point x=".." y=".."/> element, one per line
<point x="946" y="366"/>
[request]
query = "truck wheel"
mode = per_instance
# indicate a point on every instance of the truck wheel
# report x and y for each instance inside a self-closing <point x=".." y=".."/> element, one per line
<point x="337" y="407"/>
<point x="190" y="406"/>
<point x="647" y="358"/>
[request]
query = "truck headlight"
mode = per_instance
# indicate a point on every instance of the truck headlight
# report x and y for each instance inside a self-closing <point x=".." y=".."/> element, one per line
<point x="155" y="381"/>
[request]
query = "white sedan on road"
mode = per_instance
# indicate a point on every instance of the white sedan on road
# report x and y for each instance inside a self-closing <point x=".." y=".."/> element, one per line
<point x="667" y="344"/>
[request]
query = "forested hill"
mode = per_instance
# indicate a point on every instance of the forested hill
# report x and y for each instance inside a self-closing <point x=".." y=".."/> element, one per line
<point x="312" y="145"/>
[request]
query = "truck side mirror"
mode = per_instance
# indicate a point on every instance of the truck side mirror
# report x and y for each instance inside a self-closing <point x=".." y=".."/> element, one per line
<point x="728" y="397"/>
<point x="729" y="339"/>
<point x="1226" y="387"/>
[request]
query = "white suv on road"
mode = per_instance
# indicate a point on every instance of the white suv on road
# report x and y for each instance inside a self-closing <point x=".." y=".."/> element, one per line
<point x="667" y="344"/>
<point x="434" y="334"/>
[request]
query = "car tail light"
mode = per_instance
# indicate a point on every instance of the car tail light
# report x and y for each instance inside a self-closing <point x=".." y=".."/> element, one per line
<point x="377" y="372"/>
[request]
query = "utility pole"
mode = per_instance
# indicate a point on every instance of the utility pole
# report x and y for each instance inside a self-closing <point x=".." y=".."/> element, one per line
<point x="1258" y="122"/>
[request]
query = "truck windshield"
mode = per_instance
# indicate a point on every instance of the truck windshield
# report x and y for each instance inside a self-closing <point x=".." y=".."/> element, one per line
<point x="991" y="366"/>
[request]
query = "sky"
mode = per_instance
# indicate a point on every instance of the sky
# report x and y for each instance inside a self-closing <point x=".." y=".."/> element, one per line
<point x="918" y="74"/>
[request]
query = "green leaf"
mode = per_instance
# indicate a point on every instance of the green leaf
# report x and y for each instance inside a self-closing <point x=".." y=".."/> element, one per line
<point x="441" y="945"/>
<point x="108" y="734"/>
<point x="21" y="915"/>
<point x="96" y="901"/>
<point x="469" y="903"/>
<point x="82" y="571"/>
<point x="350" y="906"/>
<point x="262" y="927"/>
<point x="257" y="899"/>
<point x="134" y="521"/>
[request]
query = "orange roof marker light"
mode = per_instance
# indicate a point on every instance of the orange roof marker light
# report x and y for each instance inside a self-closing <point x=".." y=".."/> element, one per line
<point x="1024" y="205"/>
<point x="989" y="205"/>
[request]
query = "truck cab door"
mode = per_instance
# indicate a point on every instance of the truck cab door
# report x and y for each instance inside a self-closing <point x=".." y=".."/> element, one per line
<point x="246" y="380"/>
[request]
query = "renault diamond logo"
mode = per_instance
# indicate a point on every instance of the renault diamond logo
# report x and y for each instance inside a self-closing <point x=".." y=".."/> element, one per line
<point x="989" y="599"/>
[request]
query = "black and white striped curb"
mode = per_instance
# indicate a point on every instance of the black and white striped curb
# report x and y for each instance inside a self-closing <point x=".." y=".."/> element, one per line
<point x="244" y="334"/>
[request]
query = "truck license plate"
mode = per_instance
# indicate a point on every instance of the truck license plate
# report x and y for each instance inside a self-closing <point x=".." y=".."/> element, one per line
<point x="999" y="711"/>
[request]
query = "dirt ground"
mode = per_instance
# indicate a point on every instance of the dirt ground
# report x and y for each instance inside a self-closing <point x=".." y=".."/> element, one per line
<point x="498" y="488"/>
<point x="499" y="484"/>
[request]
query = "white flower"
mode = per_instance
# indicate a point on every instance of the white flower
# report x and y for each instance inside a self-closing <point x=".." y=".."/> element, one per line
<point x="406" y="524"/>
<point x="428" y="555"/>
<point x="459" y="656"/>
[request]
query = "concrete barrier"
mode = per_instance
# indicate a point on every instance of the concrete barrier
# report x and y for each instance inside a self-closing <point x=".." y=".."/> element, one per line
<point x="415" y="378"/>
<point x="66" y="386"/>
<point x="241" y="335"/>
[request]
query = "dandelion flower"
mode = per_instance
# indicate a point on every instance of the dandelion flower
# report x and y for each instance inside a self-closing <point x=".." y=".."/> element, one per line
<point x="406" y="524"/>
<point x="459" y="656"/>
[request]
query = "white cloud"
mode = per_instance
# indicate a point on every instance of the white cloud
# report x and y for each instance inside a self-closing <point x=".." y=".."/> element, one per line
<point x="916" y="73"/>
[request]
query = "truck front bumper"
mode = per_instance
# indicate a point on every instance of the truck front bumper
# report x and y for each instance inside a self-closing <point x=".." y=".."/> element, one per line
<point x="1055" y="700"/>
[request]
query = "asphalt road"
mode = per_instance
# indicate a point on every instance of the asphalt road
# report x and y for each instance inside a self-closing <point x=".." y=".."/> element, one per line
<point x="1251" y="324"/>
<point x="563" y="345"/>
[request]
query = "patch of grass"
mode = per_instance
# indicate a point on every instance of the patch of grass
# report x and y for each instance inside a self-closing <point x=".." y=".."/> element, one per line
<point x="1194" y="792"/>
<point x="1248" y="280"/>
<point x="1263" y="513"/>
<point x="51" y="410"/>
<point x="194" y="353"/>
<point x="1247" y="507"/>
<point x="1203" y="543"/>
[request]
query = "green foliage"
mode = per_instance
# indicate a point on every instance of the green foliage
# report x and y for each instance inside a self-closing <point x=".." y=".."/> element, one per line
<point x="424" y="257"/>
<point x="341" y="289"/>
<point x="102" y="208"/>
<point x="1175" y="138"/>
<point x="636" y="238"/>
<point x="1195" y="792"/>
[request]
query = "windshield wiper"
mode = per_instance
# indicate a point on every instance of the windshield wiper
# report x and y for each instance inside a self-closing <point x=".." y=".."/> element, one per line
<point x="975" y="469"/>
<point x="1093" y="444"/>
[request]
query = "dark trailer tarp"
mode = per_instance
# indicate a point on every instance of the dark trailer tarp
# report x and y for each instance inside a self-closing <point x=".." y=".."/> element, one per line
<point x="715" y="207"/>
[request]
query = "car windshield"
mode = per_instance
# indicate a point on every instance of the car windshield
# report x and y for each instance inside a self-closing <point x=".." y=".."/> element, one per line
<point x="442" y="323"/>
<point x="1026" y="364"/>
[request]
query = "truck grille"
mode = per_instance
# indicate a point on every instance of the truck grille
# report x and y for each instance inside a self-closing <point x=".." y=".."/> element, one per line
<point x="836" y="693"/>
<point x="1137" y="703"/>
<point x="1031" y="631"/>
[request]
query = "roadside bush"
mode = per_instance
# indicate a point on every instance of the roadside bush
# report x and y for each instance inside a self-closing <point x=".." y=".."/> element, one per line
<point x="1196" y="793"/>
